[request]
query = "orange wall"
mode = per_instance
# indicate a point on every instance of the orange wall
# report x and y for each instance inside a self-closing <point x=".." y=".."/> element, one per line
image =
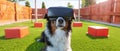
<point x="10" y="11"/>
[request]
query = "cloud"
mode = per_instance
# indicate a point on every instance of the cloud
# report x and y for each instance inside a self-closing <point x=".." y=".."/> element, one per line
<point x="52" y="3"/>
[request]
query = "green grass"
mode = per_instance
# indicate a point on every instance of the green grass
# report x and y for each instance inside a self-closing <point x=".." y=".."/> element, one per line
<point x="80" y="41"/>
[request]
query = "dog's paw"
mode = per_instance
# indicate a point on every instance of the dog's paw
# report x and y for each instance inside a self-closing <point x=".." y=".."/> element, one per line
<point x="38" y="40"/>
<point x="43" y="49"/>
<point x="69" y="49"/>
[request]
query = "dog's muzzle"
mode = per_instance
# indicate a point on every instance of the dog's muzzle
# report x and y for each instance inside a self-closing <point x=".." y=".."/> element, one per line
<point x="60" y="22"/>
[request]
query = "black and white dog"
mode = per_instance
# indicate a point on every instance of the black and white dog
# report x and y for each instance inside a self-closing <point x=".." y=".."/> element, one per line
<point x="57" y="35"/>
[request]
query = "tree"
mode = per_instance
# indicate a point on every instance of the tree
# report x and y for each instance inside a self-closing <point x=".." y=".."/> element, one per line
<point x="86" y="3"/>
<point x="16" y="0"/>
<point x="83" y="3"/>
<point x="12" y="0"/>
<point x="27" y="3"/>
<point x="43" y="5"/>
<point x="92" y="2"/>
<point x="69" y="5"/>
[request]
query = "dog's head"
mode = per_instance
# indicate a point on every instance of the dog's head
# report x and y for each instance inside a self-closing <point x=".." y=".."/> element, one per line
<point x="63" y="23"/>
<point x="59" y="18"/>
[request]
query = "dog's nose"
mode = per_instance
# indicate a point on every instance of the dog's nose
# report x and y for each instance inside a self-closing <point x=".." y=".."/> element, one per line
<point x="60" y="21"/>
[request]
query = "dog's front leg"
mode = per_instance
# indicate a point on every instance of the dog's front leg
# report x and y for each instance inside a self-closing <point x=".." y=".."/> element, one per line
<point x="42" y="39"/>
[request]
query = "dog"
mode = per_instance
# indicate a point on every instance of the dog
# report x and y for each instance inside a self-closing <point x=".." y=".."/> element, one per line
<point x="57" y="35"/>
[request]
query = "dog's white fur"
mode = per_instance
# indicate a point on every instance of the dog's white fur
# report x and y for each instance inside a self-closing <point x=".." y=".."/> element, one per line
<point x="59" y="40"/>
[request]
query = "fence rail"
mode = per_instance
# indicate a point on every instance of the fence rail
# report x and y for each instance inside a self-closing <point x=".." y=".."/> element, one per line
<point x="41" y="13"/>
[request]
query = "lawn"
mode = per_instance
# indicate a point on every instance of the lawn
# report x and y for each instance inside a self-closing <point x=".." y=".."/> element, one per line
<point x="80" y="41"/>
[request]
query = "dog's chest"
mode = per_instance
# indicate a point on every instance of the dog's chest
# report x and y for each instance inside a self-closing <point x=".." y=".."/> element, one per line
<point x="59" y="38"/>
<point x="59" y="41"/>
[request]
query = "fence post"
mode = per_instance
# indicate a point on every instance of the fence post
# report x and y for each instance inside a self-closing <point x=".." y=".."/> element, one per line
<point x="15" y="11"/>
<point x="36" y="11"/>
<point x="79" y="10"/>
<point x="114" y="10"/>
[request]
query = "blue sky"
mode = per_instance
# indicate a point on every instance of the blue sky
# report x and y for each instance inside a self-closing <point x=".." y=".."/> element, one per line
<point x="51" y="3"/>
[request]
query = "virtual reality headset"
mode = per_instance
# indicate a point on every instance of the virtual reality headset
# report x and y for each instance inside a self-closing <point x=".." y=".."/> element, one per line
<point x="54" y="12"/>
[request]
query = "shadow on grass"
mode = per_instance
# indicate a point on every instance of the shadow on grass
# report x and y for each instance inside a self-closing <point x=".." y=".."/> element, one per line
<point x="2" y="38"/>
<point x="102" y="24"/>
<point x="35" y="46"/>
<point x="32" y="27"/>
<point x="96" y="37"/>
<point x="109" y="25"/>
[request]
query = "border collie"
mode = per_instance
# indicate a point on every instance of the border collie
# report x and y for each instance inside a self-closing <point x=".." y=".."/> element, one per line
<point x="57" y="35"/>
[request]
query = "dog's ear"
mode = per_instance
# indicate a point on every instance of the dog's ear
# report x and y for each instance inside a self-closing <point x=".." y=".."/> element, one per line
<point x="73" y="18"/>
<point x="46" y="17"/>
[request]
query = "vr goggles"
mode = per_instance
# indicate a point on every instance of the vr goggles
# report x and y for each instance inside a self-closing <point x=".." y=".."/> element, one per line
<point x="55" y="12"/>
